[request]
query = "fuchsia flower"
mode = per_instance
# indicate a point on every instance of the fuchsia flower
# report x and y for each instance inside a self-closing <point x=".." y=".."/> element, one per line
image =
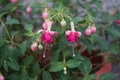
<point x="117" y="22"/>
<point x="47" y="36"/>
<point x="72" y="35"/>
<point x="1" y="77"/>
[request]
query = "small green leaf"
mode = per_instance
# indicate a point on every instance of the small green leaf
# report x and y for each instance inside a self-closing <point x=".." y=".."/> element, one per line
<point x="5" y="66"/>
<point x="46" y="76"/>
<point x="102" y="43"/>
<point x="28" y="27"/>
<point x="107" y="76"/>
<point x="2" y="14"/>
<point x="35" y="70"/>
<point x="1" y="42"/>
<point x="12" y="65"/>
<point x="23" y="47"/>
<point x="12" y="21"/>
<point x="73" y="63"/>
<point x="78" y="19"/>
<point x="28" y="60"/>
<point x="86" y="66"/>
<point x="57" y="66"/>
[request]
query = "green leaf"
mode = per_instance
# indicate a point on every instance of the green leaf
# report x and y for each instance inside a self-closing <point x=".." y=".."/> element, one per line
<point x="107" y="76"/>
<point x="102" y="43"/>
<point x="78" y="19"/>
<point x="5" y="66"/>
<point x="73" y="63"/>
<point x="57" y="66"/>
<point x="87" y="42"/>
<point x="90" y="77"/>
<point x="2" y="14"/>
<point x="114" y="31"/>
<point x="12" y="21"/>
<point x="86" y="66"/>
<point x="1" y="42"/>
<point x="28" y="60"/>
<point x="35" y="70"/>
<point x="55" y="57"/>
<point x="24" y="75"/>
<point x="13" y="65"/>
<point x="46" y="76"/>
<point x="28" y="27"/>
<point x="23" y="47"/>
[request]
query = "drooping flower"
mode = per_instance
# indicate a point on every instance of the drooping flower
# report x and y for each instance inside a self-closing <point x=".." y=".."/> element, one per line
<point x="72" y="36"/>
<point x="47" y="36"/>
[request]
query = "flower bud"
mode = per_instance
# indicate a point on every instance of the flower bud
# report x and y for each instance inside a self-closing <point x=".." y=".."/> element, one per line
<point x="28" y="10"/>
<point x="88" y="32"/>
<point x="34" y="46"/>
<point x="45" y="14"/>
<point x="93" y="29"/>
<point x="64" y="68"/>
<point x="40" y="46"/>
<point x="14" y="1"/>
<point x="65" y="72"/>
<point x="63" y="23"/>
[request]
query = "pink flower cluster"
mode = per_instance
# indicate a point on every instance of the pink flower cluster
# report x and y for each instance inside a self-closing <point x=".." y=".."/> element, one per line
<point x="90" y="30"/>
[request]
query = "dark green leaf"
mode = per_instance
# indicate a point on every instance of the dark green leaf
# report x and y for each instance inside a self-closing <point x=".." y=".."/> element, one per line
<point x="107" y="76"/>
<point x="46" y="76"/>
<point x="102" y="43"/>
<point x="86" y="66"/>
<point x="23" y="47"/>
<point x="28" y="27"/>
<point x="36" y="70"/>
<point x="28" y="60"/>
<point x="12" y="21"/>
<point x="1" y="42"/>
<point x="73" y="63"/>
<point x="57" y="66"/>
<point x="13" y="65"/>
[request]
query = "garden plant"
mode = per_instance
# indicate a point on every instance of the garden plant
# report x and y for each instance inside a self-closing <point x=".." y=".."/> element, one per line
<point x="53" y="40"/>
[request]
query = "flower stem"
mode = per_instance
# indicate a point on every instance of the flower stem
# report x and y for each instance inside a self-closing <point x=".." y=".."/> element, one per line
<point x="45" y="48"/>
<point x="73" y="51"/>
<point x="4" y="26"/>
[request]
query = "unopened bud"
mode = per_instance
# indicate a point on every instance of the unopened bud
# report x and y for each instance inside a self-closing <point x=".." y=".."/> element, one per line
<point x="63" y="23"/>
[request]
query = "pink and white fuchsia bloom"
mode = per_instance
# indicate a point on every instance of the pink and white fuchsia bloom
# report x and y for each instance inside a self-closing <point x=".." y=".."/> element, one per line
<point x="47" y="36"/>
<point x="1" y="77"/>
<point x="72" y="35"/>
